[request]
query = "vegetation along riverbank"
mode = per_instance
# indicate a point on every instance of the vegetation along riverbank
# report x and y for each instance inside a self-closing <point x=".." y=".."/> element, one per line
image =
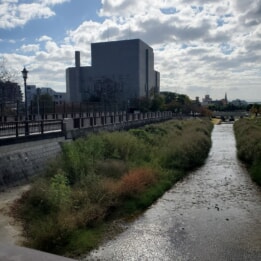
<point x="248" y="138"/>
<point x="108" y="176"/>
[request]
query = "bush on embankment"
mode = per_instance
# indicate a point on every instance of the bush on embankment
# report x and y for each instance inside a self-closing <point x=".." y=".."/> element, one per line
<point x="105" y="176"/>
<point x="248" y="138"/>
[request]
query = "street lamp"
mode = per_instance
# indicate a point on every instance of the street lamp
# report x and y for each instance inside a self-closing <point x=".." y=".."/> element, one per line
<point x="24" y="73"/>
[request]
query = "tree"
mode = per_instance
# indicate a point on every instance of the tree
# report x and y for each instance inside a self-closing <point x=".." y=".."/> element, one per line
<point x="157" y="103"/>
<point x="10" y="91"/>
<point x="255" y="109"/>
<point x="177" y="102"/>
<point x="6" y="75"/>
<point x="45" y="103"/>
<point x="144" y="104"/>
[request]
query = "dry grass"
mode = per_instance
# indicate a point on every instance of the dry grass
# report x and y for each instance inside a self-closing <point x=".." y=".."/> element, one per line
<point x="136" y="180"/>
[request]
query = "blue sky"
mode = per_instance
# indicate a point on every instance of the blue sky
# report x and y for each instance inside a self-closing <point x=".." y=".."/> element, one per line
<point x="67" y="16"/>
<point x="200" y="46"/>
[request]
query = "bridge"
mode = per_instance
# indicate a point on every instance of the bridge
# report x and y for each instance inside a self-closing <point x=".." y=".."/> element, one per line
<point x="229" y="115"/>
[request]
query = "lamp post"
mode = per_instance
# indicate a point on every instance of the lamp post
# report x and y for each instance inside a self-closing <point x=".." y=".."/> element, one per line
<point x="24" y="73"/>
<point x="38" y="91"/>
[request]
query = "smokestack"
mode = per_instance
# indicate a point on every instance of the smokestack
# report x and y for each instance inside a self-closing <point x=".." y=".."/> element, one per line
<point x="77" y="59"/>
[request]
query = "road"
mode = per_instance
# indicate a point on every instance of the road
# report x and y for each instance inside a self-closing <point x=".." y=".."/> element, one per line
<point x="213" y="214"/>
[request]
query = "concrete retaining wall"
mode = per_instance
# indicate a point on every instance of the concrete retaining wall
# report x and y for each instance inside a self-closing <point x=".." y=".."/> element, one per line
<point x="20" y="162"/>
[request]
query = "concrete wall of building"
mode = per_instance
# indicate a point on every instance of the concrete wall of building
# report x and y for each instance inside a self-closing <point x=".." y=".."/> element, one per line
<point x="146" y="68"/>
<point x="157" y="82"/>
<point x="73" y="93"/>
<point x="118" y="61"/>
<point x="125" y="68"/>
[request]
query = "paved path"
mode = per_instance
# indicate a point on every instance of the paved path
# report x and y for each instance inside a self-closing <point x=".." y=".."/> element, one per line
<point x="10" y="233"/>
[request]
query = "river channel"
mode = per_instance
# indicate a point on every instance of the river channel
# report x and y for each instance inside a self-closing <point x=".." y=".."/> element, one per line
<point x="213" y="214"/>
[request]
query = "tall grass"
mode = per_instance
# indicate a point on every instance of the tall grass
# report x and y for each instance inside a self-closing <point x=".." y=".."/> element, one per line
<point x="248" y="138"/>
<point x="108" y="175"/>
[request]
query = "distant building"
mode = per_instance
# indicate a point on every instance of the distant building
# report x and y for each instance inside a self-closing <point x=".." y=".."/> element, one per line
<point x="33" y="92"/>
<point x="58" y="97"/>
<point x="224" y="101"/>
<point x="121" y="71"/>
<point x="10" y="93"/>
<point x="239" y="103"/>
<point x="206" y="100"/>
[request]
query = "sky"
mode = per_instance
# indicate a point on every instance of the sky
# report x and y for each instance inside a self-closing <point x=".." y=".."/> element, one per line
<point x="200" y="46"/>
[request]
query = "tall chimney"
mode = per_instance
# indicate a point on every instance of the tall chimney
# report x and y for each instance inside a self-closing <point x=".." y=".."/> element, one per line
<point x="77" y="59"/>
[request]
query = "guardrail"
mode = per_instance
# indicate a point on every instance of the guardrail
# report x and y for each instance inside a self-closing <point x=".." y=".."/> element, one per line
<point x="26" y="128"/>
<point x="74" y="127"/>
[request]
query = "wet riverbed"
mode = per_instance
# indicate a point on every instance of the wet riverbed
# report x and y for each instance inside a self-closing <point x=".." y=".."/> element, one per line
<point x="213" y="214"/>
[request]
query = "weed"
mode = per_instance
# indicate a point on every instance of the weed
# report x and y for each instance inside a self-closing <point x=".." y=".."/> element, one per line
<point x="108" y="175"/>
<point x="248" y="138"/>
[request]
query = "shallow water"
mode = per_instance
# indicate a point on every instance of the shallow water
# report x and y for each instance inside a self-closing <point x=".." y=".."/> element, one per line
<point x="213" y="214"/>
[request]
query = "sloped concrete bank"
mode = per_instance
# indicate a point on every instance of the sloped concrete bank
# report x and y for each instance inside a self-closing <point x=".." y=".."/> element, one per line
<point x="20" y="162"/>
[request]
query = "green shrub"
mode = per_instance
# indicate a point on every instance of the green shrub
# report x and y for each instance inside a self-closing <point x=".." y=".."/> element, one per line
<point x="255" y="172"/>
<point x="36" y="202"/>
<point x="111" y="168"/>
<point x="248" y="139"/>
<point x="60" y="190"/>
<point x="124" y="146"/>
<point x="109" y="175"/>
<point x="79" y="158"/>
<point x="190" y="149"/>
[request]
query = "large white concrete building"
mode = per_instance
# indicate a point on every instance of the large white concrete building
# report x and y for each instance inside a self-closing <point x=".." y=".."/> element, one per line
<point x="121" y="71"/>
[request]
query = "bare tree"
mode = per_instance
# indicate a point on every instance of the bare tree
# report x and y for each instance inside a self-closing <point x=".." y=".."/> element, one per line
<point x="6" y="75"/>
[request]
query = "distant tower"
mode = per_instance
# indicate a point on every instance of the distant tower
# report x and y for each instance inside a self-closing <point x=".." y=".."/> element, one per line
<point x="226" y="98"/>
<point x="77" y="59"/>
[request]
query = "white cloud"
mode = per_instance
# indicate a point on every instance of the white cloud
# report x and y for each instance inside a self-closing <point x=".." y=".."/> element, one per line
<point x="14" y="14"/>
<point x="44" y="38"/>
<point x="53" y="2"/>
<point x="29" y="48"/>
<point x="200" y="46"/>
<point x="207" y="46"/>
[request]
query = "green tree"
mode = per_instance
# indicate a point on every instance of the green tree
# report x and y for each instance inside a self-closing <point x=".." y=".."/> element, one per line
<point x="255" y="109"/>
<point x="45" y="103"/>
<point x="144" y="104"/>
<point x="157" y="103"/>
<point x="60" y="190"/>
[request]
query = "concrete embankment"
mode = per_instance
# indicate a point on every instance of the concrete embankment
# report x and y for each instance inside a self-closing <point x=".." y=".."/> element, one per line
<point x="20" y="162"/>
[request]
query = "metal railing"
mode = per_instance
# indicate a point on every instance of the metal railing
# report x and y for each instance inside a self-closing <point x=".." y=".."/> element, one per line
<point x="25" y="128"/>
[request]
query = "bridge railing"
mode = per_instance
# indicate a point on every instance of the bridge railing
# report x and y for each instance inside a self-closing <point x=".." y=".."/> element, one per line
<point x="16" y="131"/>
<point x="23" y="128"/>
